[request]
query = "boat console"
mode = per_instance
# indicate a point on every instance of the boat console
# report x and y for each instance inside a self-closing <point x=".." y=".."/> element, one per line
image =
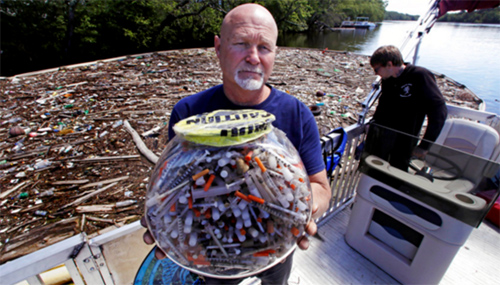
<point x="412" y="222"/>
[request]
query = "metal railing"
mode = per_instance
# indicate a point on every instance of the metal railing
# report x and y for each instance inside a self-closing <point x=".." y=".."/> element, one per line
<point x="345" y="176"/>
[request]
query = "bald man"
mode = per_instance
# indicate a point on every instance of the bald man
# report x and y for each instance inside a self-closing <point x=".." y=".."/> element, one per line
<point x="246" y="49"/>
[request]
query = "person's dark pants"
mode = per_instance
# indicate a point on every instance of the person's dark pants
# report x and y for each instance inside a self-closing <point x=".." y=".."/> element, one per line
<point x="391" y="146"/>
<point x="277" y="274"/>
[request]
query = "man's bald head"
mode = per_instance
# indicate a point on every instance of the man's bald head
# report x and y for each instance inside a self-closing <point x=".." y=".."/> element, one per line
<point x="248" y="14"/>
<point x="246" y="50"/>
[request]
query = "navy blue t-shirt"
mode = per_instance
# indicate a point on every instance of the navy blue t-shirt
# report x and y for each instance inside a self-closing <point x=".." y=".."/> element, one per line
<point x="292" y="117"/>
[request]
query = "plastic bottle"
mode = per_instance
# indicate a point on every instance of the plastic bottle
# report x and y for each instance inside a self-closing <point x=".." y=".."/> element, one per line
<point x="125" y="203"/>
<point x="14" y="120"/>
<point x="46" y="193"/>
<point x="117" y="123"/>
<point x="23" y="195"/>
<point x="40" y="213"/>
<point x="17" y="147"/>
<point x="42" y="164"/>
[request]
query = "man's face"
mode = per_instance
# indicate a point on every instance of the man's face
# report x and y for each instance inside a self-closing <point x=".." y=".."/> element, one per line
<point x="382" y="71"/>
<point x="246" y="53"/>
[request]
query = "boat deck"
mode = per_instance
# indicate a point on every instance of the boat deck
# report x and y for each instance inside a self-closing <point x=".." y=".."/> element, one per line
<point x="335" y="262"/>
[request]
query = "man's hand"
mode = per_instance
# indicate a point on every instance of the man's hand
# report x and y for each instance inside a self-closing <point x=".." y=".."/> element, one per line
<point x="311" y="229"/>
<point x="321" y="200"/>
<point x="419" y="153"/>
<point x="148" y="239"/>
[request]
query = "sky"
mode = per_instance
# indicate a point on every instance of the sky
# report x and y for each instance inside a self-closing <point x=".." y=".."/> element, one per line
<point x="412" y="7"/>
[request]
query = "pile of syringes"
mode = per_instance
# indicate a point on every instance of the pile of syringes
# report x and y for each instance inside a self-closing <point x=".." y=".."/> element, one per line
<point x="228" y="211"/>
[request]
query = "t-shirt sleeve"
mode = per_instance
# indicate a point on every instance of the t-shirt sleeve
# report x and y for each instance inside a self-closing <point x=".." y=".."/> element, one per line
<point x="174" y="118"/>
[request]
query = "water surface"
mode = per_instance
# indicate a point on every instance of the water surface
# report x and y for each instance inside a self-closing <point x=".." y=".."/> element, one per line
<point x="467" y="53"/>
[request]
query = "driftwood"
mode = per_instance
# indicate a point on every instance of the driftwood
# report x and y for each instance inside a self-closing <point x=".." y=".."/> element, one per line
<point x="107" y="158"/>
<point x="104" y="119"/>
<point x="105" y="208"/>
<point x="84" y="198"/>
<point x="70" y="182"/>
<point x="133" y="217"/>
<point x="152" y="131"/>
<point x="83" y="222"/>
<point x="30" y="209"/>
<point x="95" y="219"/>
<point x="162" y="111"/>
<point x="25" y="155"/>
<point x="34" y="239"/>
<point x="17" y="187"/>
<point x="140" y="144"/>
<point x="21" y="225"/>
<point x="76" y="84"/>
<point x="104" y="182"/>
<point x="119" y="210"/>
<point x="95" y="208"/>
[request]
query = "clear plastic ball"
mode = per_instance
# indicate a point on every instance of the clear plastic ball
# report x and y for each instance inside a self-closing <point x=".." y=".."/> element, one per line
<point x="229" y="212"/>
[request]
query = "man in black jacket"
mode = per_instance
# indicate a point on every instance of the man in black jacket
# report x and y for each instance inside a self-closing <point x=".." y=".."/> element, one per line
<point x="409" y="94"/>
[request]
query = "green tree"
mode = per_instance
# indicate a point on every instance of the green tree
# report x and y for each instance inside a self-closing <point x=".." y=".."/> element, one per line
<point x="29" y="27"/>
<point x="290" y="15"/>
<point x="374" y="9"/>
<point x="39" y="34"/>
<point x="391" y="15"/>
<point x="325" y="13"/>
<point x="487" y="16"/>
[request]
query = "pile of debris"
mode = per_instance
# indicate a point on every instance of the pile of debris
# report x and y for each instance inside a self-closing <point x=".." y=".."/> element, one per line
<point x="68" y="163"/>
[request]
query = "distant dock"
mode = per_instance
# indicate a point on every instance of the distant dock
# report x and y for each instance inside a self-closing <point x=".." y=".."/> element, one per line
<point x="339" y="29"/>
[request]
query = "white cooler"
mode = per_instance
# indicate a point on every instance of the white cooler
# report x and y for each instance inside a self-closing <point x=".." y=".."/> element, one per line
<point x="412" y="233"/>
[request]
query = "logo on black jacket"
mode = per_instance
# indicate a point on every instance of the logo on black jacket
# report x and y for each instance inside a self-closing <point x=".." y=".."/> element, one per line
<point x="405" y="90"/>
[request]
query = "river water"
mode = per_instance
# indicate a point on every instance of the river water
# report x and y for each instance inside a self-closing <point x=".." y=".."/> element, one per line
<point x="467" y="53"/>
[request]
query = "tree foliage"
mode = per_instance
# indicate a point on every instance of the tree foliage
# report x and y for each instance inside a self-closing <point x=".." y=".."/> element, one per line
<point x="32" y="31"/>
<point x="331" y="13"/>
<point x="395" y="16"/>
<point x="290" y="15"/>
<point x="486" y="16"/>
<point x="374" y="9"/>
<point x="39" y="34"/>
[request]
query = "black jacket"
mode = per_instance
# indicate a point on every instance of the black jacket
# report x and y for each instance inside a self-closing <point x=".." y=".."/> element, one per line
<point x="407" y="99"/>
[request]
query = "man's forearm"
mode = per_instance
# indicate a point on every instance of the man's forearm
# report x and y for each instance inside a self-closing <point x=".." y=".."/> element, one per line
<point x="321" y="193"/>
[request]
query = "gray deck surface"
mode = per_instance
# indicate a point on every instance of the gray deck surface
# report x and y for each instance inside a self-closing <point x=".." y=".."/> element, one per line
<point x="334" y="262"/>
